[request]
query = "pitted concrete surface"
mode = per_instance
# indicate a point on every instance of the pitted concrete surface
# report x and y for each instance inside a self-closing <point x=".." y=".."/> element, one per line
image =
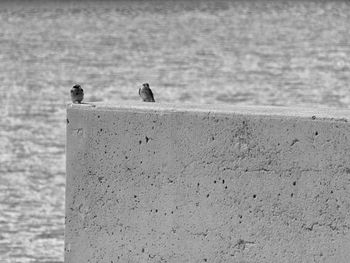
<point x="148" y="182"/>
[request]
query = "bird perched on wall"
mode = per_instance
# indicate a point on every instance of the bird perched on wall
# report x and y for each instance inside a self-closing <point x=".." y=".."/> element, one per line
<point x="146" y="93"/>
<point x="77" y="94"/>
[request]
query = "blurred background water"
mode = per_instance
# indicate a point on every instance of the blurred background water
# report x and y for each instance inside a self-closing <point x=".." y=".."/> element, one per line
<point x="195" y="51"/>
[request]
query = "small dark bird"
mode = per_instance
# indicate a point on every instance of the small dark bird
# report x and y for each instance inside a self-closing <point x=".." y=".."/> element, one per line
<point x="146" y="93"/>
<point x="77" y="94"/>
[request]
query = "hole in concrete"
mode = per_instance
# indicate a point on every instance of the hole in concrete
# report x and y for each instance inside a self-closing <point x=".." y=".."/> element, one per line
<point x="197" y="184"/>
<point x="226" y="187"/>
<point x="214" y="181"/>
<point x="101" y="129"/>
<point x="291" y="195"/>
<point x="223" y="181"/>
<point x="140" y="141"/>
<point x="254" y="196"/>
<point x="294" y="183"/>
<point x="316" y="133"/>
<point x="98" y="116"/>
<point x="147" y="139"/>
<point x="207" y="195"/>
<point x="67" y="121"/>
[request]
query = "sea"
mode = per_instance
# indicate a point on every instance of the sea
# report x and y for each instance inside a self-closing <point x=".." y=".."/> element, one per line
<point x="247" y="52"/>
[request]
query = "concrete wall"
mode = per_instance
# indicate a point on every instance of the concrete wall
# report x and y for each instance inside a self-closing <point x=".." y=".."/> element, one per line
<point x="149" y="182"/>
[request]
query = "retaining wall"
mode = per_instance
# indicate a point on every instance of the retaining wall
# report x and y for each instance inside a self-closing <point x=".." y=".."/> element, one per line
<point x="149" y="182"/>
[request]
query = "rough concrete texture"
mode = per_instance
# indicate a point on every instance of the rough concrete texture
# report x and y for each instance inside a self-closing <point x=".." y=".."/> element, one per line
<point x="149" y="182"/>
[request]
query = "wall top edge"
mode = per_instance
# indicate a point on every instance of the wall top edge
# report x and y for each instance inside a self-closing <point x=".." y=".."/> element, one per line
<point x="222" y="109"/>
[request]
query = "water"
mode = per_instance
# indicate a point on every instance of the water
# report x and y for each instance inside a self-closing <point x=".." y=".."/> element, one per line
<point x="236" y="52"/>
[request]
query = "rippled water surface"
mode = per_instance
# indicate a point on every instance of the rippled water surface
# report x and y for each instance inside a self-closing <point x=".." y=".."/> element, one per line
<point x="235" y="52"/>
